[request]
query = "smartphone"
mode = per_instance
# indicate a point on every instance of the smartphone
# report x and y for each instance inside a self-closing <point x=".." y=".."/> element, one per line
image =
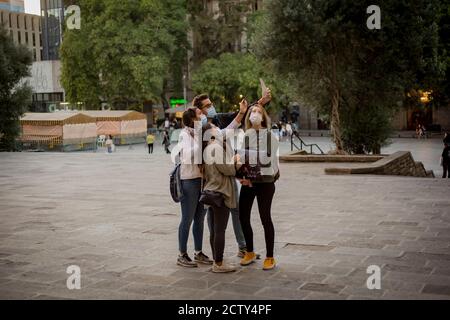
<point x="263" y="87"/>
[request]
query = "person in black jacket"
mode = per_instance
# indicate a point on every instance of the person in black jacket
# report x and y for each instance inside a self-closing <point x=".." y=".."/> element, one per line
<point x="446" y="161"/>
<point x="166" y="141"/>
<point x="446" y="138"/>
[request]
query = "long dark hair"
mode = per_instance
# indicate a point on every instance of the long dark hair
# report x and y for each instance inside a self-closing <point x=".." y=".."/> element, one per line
<point x="189" y="117"/>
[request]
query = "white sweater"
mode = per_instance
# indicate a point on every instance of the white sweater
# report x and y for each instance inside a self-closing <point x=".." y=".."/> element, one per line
<point x="189" y="160"/>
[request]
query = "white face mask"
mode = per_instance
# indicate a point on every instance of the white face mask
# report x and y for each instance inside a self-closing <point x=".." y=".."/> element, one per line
<point x="256" y="118"/>
<point x="203" y="119"/>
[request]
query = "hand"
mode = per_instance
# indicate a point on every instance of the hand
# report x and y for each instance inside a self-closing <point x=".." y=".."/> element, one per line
<point x="245" y="182"/>
<point x="266" y="98"/>
<point x="243" y="106"/>
<point x="237" y="159"/>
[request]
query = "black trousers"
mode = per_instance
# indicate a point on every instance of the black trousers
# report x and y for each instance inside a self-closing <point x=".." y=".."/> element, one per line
<point x="219" y="220"/>
<point x="150" y="148"/>
<point x="445" y="167"/>
<point x="264" y="193"/>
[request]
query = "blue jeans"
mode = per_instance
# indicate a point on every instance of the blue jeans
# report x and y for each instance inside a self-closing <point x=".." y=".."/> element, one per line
<point x="240" y="239"/>
<point x="191" y="211"/>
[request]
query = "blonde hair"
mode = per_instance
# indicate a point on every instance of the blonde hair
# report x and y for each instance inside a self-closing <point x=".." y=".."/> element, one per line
<point x="266" y="122"/>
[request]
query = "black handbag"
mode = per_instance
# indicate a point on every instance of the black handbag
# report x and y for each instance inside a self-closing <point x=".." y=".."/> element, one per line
<point x="253" y="172"/>
<point x="212" y="198"/>
<point x="249" y="171"/>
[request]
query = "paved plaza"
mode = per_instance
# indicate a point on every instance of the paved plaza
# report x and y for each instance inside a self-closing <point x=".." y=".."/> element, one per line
<point x="112" y="216"/>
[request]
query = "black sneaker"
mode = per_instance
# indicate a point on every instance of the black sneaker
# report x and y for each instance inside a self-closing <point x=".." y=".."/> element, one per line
<point x="202" y="258"/>
<point x="242" y="252"/>
<point x="185" y="261"/>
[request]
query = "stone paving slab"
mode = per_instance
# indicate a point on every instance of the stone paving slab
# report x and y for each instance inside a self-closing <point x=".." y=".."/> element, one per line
<point x="112" y="215"/>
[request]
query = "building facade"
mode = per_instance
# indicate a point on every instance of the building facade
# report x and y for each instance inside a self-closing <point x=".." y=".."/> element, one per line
<point x="24" y="29"/>
<point x="52" y="13"/>
<point x="12" y="5"/>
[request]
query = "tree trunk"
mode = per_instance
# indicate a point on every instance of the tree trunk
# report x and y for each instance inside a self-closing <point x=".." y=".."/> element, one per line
<point x="335" y="101"/>
<point x="336" y="123"/>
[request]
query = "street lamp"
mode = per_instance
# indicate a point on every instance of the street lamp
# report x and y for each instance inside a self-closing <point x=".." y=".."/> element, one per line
<point x="184" y="91"/>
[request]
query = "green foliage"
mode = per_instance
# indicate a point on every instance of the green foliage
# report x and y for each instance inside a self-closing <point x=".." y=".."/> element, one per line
<point x="231" y="75"/>
<point x="440" y="86"/>
<point x="124" y="51"/>
<point x="218" y="32"/>
<point x="366" y="130"/>
<point x="331" y="59"/>
<point x="15" y="96"/>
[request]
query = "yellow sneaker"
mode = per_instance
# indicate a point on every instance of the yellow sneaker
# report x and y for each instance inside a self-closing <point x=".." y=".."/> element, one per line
<point x="248" y="258"/>
<point x="269" y="264"/>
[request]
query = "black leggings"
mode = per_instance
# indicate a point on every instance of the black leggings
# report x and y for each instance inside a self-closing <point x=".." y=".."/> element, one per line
<point x="219" y="220"/>
<point x="445" y="168"/>
<point x="264" y="194"/>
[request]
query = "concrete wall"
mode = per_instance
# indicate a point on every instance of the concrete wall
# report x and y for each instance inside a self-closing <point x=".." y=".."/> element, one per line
<point x="45" y="77"/>
<point x="442" y="116"/>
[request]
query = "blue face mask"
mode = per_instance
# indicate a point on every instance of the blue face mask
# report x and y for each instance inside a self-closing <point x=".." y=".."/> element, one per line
<point x="204" y="119"/>
<point x="212" y="112"/>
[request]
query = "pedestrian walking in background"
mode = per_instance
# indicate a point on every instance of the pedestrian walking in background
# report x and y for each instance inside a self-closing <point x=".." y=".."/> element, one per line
<point x="446" y="138"/>
<point x="289" y="129"/>
<point x="150" y="141"/>
<point x="109" y="144"/>
<point x="445" y="161"/>
<point x="166" y="141"/>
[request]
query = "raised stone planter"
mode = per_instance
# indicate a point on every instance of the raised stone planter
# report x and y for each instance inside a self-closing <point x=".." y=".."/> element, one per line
<point x="399" y="163"/>
<point x="302" y="156"/>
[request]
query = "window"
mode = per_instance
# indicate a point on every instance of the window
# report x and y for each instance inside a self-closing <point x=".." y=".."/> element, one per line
<point x="19" y="37"/>
<point x="26" y="37"/>
<point x="10" y="23"/>
<point x="34" y="54"/>
<point x="1" y="17"/>
<point x="25" y="21"/>
<point x="34" y="39"/>
<point x="18" y="22"/>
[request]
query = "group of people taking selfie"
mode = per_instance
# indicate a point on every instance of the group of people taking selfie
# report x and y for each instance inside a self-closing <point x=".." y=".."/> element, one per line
<point x="225" y="162"/>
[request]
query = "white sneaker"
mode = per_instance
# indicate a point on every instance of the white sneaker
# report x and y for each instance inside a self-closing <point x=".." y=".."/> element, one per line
<point x="224" y="268"/>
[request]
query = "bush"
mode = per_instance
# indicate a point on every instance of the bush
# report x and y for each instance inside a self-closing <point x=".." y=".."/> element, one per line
<point x="366" y="130"/>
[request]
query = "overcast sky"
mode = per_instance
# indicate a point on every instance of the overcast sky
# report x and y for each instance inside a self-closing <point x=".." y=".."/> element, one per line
<point x="33" y="6"/>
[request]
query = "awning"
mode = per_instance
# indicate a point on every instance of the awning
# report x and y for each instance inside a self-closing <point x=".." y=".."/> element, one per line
<point x="177" y="109"/>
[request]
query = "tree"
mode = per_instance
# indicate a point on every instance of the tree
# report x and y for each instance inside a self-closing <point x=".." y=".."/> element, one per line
<point x="15" y="96"/>
<point x="123" y="52"/>
<point x="233" y="76"/>
<point x="335" y="63"/>
<point x="217" y="32"/>
<point x="440" y="86"/>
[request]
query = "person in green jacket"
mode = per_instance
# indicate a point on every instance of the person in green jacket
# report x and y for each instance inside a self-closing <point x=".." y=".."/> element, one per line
<point x="220" y="167"/>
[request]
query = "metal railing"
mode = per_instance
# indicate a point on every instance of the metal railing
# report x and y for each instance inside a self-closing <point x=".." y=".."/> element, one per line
<point x="303" y="144"/>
